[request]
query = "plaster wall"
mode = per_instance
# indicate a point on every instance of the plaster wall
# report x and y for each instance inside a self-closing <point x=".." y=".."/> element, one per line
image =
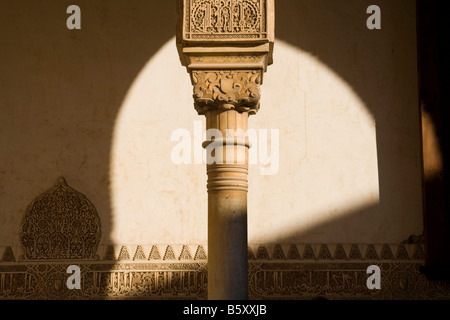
<point x="99" y="106"/>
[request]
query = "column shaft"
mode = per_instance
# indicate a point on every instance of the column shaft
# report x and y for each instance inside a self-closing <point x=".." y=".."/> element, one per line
<point x="227" y="206"/>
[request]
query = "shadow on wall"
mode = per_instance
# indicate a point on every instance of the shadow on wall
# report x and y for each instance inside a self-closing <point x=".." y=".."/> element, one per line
<point x="61" y="91"/>
<point x="388" y="91"/>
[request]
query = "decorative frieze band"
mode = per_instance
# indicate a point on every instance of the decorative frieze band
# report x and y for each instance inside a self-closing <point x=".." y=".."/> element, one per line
<point x="153" y="253"/>
<point x="341" y="280"/>
<point x="275" y="252"/>
<point x="224" y="90"/>
<point x="61" y="228"/>
<point x="291" y="271"/>
<point x="61" y="223"/>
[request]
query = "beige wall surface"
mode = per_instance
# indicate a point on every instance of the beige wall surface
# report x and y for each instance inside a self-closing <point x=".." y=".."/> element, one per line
<point x="99" y="106"/>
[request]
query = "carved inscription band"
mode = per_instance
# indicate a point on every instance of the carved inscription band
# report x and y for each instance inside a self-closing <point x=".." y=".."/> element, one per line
<point x="224" y="19"/>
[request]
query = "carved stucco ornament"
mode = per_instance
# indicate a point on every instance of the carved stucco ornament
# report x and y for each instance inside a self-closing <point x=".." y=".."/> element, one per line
<point x="60" y="224"/>
<point x="219" y="19"/>
<point x="226" y="90"/>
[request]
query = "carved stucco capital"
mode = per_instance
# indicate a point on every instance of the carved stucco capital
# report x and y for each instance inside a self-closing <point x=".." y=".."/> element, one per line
<point x="223" y="90"/>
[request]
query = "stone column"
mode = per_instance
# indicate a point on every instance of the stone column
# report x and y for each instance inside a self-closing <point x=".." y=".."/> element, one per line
<point x="226" y="47"/>
<point x="227" y="158"/>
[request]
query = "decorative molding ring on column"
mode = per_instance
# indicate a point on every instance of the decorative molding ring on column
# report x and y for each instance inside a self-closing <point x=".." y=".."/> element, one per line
<point x="227" y="177"/>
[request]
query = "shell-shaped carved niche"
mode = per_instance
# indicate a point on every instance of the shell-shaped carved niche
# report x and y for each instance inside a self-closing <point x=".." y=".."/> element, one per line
<point x="60" y="224"/>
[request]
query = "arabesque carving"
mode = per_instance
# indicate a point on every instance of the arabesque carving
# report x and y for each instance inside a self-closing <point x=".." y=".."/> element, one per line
<point x="60" y="224"/>
<point x="275" y="272"/>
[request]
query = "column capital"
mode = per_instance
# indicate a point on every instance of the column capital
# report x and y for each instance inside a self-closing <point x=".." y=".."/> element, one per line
<point x="226" y="47"/>
<point x="224" y="90"/>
